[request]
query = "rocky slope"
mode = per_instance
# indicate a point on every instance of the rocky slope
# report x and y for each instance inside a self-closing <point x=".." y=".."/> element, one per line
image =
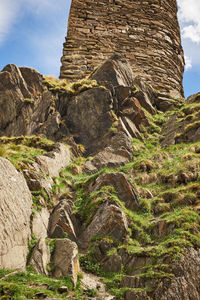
<point x="99" y="187"/>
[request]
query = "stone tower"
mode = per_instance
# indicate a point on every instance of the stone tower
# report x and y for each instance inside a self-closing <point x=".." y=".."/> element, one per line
<point x="145" y="31"/>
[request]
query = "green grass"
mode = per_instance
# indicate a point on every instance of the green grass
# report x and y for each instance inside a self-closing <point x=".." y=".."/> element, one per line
<point x="25" y="285"/>
<point x="19" y="150"/>
<point x="57" y="85"/>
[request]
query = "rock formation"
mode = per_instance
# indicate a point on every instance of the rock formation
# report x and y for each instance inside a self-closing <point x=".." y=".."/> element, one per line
<point x="146" y="32"/>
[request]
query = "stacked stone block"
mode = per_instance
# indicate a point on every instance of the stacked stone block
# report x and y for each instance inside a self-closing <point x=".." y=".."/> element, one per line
<point x="145" y="31"/>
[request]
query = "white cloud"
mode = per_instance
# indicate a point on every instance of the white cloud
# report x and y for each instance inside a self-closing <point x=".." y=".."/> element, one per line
<point x="45" y="41"/>
<point x="188" y="63"/>
<point x="8" y="13"/>
<point x="12" y="10"/>
<point x="192" y="32"/>
<point x="189" y="12"/>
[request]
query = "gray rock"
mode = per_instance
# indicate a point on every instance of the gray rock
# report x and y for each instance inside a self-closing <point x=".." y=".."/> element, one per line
<point x="132" y="129"/>
<point x="39" y="174"/>
<point x="15" y="212"/>
<point x="145" y="95"/>
<point x="52" y="163"/>
<point x="65" y="259"/>
<point x="132" y="282"/>
<point x="24" y="103"/>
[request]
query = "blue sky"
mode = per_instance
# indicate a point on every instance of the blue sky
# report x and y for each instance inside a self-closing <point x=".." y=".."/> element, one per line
<point x="32" y="33"/>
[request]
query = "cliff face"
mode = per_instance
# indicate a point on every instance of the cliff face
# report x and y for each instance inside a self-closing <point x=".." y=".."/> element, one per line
<point x="114" y="192"/>
<point x="146" y="32"/>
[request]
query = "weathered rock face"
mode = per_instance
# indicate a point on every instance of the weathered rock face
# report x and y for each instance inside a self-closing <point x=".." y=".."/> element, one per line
<point x="39" y="173"/>
<point x="118" y="153"/>
<point x="115" y="71"/>
<point x="55" y="161"/>
<point x="26" y="105"/>
<point x="89" y="117"/>
<point x="185" y="284"/>
<point x="125" y="191"/>
<point x="113" y="264"/>
<point x="146" y="32"/>
<point x="40" y="223"/>
<point x="40" y="257"/>
<point x="140" y="295"/>
<point x="15" y="211"/>
<point x="108" y="220"/>
<point x="21" y="107"/>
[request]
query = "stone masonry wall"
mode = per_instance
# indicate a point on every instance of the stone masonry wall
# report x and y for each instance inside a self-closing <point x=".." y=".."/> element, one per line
<point x="145" y="31"/>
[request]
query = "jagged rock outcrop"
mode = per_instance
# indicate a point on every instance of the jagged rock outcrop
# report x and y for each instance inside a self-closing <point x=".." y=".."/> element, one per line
<point x="116" y="154"/>
<point x="15" y="212"/>
<point x="25" y="102"/>
<point x="89" y="117"/>
<point x="115" y="71"/>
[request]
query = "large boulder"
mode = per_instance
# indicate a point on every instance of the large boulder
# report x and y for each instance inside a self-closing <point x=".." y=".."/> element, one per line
<point x="26" y="105"/>
<point x="124" y="189"/>
<point x="109" y="220"/>
<point x="117" y="153"/>
<point x="65" y="259"/>
<point x="52" y="163"/>
<point x="15" y="212"/>
<point x="24" y="102"/>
